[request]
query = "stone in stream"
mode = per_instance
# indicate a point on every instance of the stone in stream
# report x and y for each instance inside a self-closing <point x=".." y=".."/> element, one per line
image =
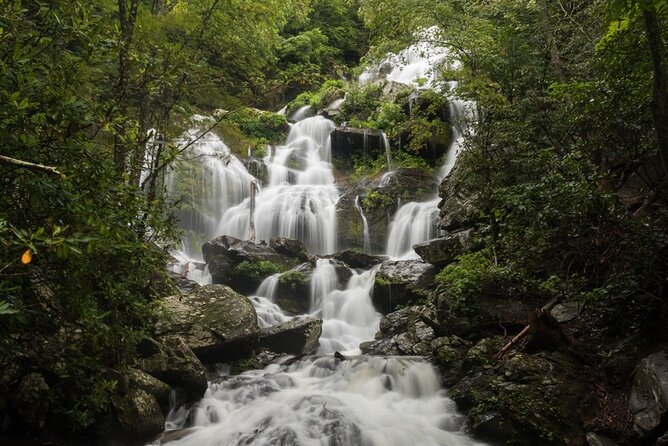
<point x="217" y="323"/>
<point x="356" y="259"/>
<point x="243" y="265"/>
<point x="139" y="414"/>
<point x="405" y="332"/>
<point x="298" y="337"/>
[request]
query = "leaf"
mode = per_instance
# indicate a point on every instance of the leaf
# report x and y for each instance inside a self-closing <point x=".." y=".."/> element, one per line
<point x="26" y="258"/>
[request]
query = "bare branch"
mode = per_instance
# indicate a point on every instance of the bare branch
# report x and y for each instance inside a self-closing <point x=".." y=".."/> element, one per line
<point x="28" y="165"/>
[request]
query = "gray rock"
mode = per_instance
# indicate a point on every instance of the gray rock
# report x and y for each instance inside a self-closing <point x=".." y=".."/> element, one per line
<point x="176" y="365"/>
<point x="648" y="401"/>
<point x="400" y="282"/>
<point x="566" y="311"/>
<point x="183" y="284"/>
<point x="404" y="332"/>
<point x="356" y="259"/>
<point x="32" y="399"/>
<point x="289" y="247"/>
<point x="443" y="251"/>
<point x="294" y="288"/>
<point x="217" y="323"/>
<point x="594" y="439"/>
<point x="348" y="141"/>
<point x="139" y="414"/>
<point x="299" y="337"/>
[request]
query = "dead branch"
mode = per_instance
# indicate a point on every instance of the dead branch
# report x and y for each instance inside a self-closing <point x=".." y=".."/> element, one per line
<point x="28" y="165"/>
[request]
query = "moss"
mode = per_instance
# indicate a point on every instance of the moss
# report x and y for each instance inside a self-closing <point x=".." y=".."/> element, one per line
<point x="262" y="125"/>
<point x="374" y="199"/>
<point x="328" y="92"/>
<point x="257" y="271"/>
<point x="294" y="280"/>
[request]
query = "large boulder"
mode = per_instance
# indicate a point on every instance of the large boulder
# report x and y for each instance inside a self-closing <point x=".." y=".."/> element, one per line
<point x="32" y="400"/>
<point x="288" y="247"/>
<point x="404" y="332"/>
<point x="401" y="282"/>
<point x="243" y="265"/>
<point x="443" y="251"/>
<point x="175" y="364"/>
<point x="293" y="292"/>
<point x="526" y="399"/>
<point x="300" y="337"/>
<point x="217" y="323"/>
<point x="648" y="402"/>
<point x="151" y="385"/>
<point x="458" y="210"/>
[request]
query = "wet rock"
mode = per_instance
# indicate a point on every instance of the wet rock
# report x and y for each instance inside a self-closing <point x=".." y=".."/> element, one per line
<point x="457" y="209"/>
<point x="400" y="282"/>
<point x="404" y="332"/>
<point x="217" y="323"/>
<point x="153" y="386"/>
<point x="648" y="402"/>
<point x="349" y="224"/>
<point x="32" y="400"/>
<point x="443" y="251"/>
<point x="620" y="360"/>
<point x="294" y="288"/>
<point x="176" y="365"/>
<point x="242" y="264"/>
<point x="566" y="311"/>
<point x="299" y="337"/>
<point x="139" y="414"/>
<point x="525" y="399"/>
<point x="356" y="259"/>
<point x="290" y="248"/>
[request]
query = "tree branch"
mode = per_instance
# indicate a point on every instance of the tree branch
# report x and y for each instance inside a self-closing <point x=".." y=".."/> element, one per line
<point x="28" y="165"/>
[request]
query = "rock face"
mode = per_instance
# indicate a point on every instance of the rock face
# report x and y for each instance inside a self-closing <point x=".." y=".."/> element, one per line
<point x="293" y="292"/>
<point x="457" y="209"/>
<point x="291" y="248"/>
<point x="348" y="141"/>
<point x="293" y="337"/>
<point x="405" y="332"/>
<point x="399" y="282"/>
<point x="648" y="402"/>
<point x="217" y="323"/>
<point x="32" y="400"/>
<point x="243" y="265"/>
<point x="443" y="251"/>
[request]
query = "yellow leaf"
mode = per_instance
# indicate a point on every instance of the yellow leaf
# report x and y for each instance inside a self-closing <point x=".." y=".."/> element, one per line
<point x="26" y="257"/>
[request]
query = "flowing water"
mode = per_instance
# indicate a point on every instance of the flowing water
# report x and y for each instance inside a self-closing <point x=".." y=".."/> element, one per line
<point x="319" y="400"/>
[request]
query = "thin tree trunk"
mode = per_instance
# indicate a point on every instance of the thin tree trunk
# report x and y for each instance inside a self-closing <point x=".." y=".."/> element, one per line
<point x="660" y="74"/>
<point x="548" y="30"/>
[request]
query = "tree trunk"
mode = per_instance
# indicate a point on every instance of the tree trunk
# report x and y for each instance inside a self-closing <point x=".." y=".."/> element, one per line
<point x="660" y="74"/>
<point x="548" y="30"/>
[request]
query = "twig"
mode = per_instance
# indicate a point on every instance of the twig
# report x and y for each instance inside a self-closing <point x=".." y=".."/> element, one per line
<point x="29" y="166"/>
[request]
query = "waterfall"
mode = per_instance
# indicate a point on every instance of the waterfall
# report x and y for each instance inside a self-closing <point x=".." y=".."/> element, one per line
<point x="413" y="223"/>
<point x="300" y="199"/>
<point x="323" y="281"/>
<point x="268" y="313"/>
<point x="367" y="238"/>
<point x="366" y="401"/>
<point x="302" y="113"/>
<point x="388" y="150"/>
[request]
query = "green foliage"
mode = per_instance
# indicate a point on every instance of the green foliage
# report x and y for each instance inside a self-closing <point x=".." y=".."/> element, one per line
<point x="266" y="126"/>
<point x="374" y="199"/>
<point x="328" y="92"/>
<point x="361" y="102"/>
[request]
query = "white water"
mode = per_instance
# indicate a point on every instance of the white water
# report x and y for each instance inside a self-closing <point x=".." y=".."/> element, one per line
<point x="367" y="238"/>
<point x="324" y="401"/>
<point x="300" y="199"/>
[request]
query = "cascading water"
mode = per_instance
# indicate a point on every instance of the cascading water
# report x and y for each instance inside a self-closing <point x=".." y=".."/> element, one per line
<point x="367" y="238"/>
<point x="300" y="200"/>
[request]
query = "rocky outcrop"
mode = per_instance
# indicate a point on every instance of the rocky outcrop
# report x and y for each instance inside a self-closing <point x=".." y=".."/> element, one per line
<point x="443" y="251"/>
<point x="290" y="248"/>
<point x="151" y="385"/>
<point x="32" y="400"/>
<point x="648" y="402"/>
<point x="243" y="265"/>
<point x="217" y="323"/>
<point x="300" y="337"/>
<point x="457" y="206"/>
<point x="182" y="283"/>
<point x="405" y="332"/>
<point x="400" y="282"/>
<point x="293" y="292"/>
